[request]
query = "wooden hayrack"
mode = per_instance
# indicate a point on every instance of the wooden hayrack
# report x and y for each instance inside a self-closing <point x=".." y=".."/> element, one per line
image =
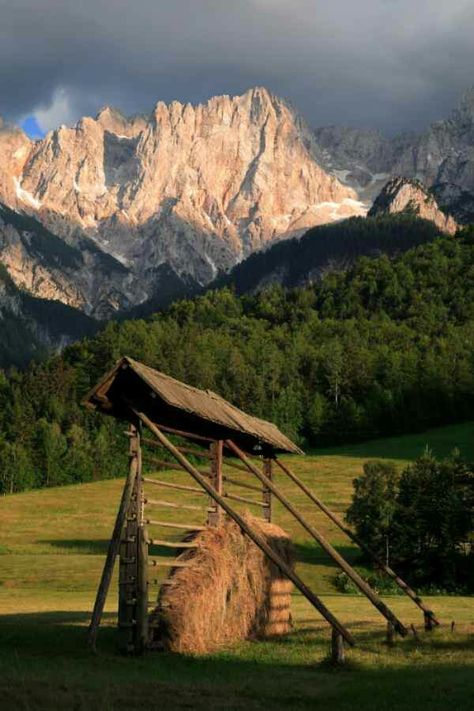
<point x="210" y="430"/>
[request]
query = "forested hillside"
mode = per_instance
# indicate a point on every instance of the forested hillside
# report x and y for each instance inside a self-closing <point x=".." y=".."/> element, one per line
<point x="383" y="347"/>
<point x="297" y="262"/>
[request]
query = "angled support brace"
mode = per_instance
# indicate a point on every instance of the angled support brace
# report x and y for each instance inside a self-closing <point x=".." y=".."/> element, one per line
<point x="253" y="535"/>
<point x="332" y="552"/>
<point x="428" y="614"/>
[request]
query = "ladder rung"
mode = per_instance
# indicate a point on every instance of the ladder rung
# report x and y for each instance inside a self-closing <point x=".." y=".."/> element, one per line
<point x="170" y="504"/>
<point x="168" y="564"/>
<point x="169" y="544"/>
<point x="180" y="487"/>
<point x="181" y="526"/>
<point x="242" y="484"/>
<point x="244" y="499"/>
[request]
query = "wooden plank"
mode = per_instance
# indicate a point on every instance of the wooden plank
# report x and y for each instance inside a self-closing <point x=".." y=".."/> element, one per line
<point x="325" y="545"/>
<point x="242" y="484"/>
<point x="180" y="526"/>
<point x="168" y="564"/>
<point x="378" y="562"/>
<point x="112" y="552"/>
<point x="171" y="544"/>
<point x="243" y="499"/>
<point x="252" y="534"/>
<point x="168" y="485"/>
<point x="172" y="505"/>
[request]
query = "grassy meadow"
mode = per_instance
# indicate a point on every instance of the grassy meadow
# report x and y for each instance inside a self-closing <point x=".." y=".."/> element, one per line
<point x="52" y="550"/>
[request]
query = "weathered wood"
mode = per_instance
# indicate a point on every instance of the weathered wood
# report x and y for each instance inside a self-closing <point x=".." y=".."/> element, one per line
<point x="182" y="433"/>
<point x="230" y="463"/>
<point x="242" y="484"/>
<point x="169" y="465"/>
<point x="168" y="564"/>
<point x="168" y="485"/>
<point x="214" y="516"/>
<point x="338" y="655"/>
<point x="181" y="526"/>
<point x="428" y="620"/>
<point x="390" y="634"/>
<point x="203" y="453"/>
<point x="243" y="499"/>
<point x="330" y="550"/>
<point x="171" y="544"/>
<point x="266" y="493"/>
<point x="378" y="562"/>
<point x="172" y="505"/>
<point x="252" y="534"/>
<point x="112" y="552"/>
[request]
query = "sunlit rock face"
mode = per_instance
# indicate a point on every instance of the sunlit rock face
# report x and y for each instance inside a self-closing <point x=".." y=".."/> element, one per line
<point x="442" y="158"/>
<point x="186" y="191"/>
<point x="402" y="195"/>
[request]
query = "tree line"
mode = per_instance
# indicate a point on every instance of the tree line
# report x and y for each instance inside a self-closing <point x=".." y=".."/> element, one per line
<point x="383" y="347"/>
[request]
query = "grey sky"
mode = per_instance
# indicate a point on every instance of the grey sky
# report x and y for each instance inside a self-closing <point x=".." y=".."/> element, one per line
<point x="391" y="64"/>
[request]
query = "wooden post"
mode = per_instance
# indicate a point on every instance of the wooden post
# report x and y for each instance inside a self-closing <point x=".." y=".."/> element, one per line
<point x="113" y="550"/>
<point x="215" y="513"/>
<point x="338" y="654"/>
<point x="253" y="535"/>
<point x="325" y="545"/>
<point x="128" y="579"/>
<point x="266" y="493"/>
<point x="428" y="619"/>
<point x="378" y="562"/>
<point x="141" y="629"/>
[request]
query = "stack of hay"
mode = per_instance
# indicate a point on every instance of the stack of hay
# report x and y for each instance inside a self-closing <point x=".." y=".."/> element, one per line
<point x="230" y="591"/>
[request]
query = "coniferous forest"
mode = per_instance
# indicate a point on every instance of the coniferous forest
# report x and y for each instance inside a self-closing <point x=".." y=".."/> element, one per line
<point x="383" y="347"/>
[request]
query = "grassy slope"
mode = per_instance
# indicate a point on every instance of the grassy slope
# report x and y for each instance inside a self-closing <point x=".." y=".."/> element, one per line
<point x="51" y="554"/>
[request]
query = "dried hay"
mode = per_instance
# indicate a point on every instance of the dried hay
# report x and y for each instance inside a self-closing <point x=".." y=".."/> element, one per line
<point x="229" y="592"/>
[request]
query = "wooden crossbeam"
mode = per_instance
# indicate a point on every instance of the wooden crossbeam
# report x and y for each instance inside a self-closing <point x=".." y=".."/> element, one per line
<point x="378" y="562"/>
<point x="246" y="528"/>
<point x="172" y="505"/>
<point x="169" y="485"/>
<point x="241" y="484"/>
<point x="243" y="499"/>
<point x="330" y="550"/>
<point x="171" y="544"/>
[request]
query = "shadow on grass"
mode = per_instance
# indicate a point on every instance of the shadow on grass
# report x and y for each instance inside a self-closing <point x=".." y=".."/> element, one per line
<point x="309" y="552"/>
<point x="45" y="664"/>
<point x="99" y="547"/>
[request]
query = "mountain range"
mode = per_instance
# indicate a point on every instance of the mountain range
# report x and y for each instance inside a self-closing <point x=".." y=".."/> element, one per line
<point x="117" y="214"/>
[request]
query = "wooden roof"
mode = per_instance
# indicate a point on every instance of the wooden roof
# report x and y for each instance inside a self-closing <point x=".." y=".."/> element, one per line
<point x="172" y="403"/>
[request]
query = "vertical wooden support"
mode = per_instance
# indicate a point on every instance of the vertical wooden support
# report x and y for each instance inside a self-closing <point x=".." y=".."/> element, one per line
<point x="141" y="629"/>
<point x="429" y="622"/>
<point x="266" y="493"/>
<point x="128" y="579"/>
<point x="113" y="550"/>
<point x="390" y="634"/>
<point x="338" y="653"/>
<point x="215" y="513"/>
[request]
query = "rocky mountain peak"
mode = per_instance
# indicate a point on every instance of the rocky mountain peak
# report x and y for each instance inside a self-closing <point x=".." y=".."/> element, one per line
<point x="404" y="195"/>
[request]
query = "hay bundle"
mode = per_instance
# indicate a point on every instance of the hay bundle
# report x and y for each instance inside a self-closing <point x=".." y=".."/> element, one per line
<point x="230" y="591"/>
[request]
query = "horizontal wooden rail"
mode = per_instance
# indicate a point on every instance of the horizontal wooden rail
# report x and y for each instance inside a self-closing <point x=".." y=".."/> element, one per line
<point x="243" y="499"/>
<point x="167" y="484"/>
<point x="378" y="562"/>
<point x="182" y="433"/>
<point x="171" y="544"/>
<point x="242" y="484"/>
<point x="171" y="505"/>
<point x="325" y="545"/>
<point x="168" y="563"/>
<point x="203" y="453"/>
<point x="180" y="526"/>
<point x="229" y="463"/>
<point x="246" y="528"/>
<point x="169" y="465"/>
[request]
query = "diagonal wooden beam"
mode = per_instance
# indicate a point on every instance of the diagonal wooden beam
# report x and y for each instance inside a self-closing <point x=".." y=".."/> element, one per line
<point x="378" y="562"/>
<point x="332" y="552"/>
<point x="253" y="535"/>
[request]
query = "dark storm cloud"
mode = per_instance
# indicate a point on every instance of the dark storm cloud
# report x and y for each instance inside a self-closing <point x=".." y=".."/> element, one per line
<point x="395" y="64"/>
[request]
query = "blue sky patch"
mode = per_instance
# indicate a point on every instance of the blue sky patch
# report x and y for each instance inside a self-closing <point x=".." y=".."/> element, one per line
<point x="31" y="127"/>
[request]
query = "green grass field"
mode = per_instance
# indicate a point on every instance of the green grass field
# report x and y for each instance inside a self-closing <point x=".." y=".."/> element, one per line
<point x="51" y="554"/>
